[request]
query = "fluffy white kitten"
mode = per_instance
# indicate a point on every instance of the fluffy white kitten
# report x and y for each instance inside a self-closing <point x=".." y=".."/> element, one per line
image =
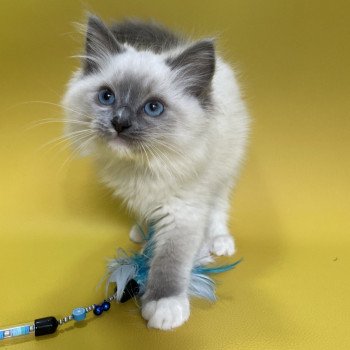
<point x="164" y="119"/>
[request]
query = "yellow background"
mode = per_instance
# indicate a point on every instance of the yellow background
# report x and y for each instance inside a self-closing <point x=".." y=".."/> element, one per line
<point x="291" y="210"/>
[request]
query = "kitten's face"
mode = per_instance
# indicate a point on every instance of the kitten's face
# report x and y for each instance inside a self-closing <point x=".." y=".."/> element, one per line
<point x="137" y="104"/>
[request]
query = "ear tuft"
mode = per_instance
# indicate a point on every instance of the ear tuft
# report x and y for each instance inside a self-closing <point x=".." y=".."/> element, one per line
<point x="100" y="43"/>
<point x="196" y="66"/>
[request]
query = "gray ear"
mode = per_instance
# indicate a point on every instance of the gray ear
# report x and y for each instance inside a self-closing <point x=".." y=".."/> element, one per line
<point x="100" y="42"/>
<point x="196" y="66"/>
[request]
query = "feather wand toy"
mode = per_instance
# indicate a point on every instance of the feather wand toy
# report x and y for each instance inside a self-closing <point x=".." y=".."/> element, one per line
<point x="129" y="273"/>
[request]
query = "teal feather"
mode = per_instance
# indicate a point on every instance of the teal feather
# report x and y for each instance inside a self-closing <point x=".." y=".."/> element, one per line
<point x="136" y="266"/>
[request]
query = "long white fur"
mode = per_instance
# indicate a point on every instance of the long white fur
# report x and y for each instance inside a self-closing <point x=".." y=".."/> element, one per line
<point x="189" y="179"/>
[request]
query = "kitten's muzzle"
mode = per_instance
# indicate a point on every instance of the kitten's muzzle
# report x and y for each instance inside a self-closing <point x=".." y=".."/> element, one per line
<point x="122" y="119"/>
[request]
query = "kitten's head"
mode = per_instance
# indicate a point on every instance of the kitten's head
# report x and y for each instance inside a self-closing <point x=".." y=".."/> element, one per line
<point x="139" y="101"/>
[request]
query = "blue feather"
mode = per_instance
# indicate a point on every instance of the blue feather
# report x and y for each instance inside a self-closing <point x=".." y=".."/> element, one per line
<point x="136" y="266"/>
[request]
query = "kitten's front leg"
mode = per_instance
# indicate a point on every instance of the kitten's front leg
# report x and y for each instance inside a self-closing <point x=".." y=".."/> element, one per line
<point x="219" y="238"/>
<point x="166" y="304"/>
<point x="166" y="313"/>
<point x="221" y="241"/>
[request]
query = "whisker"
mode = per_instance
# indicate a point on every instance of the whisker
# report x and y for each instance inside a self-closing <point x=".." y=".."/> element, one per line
<point x="76" y="152"/>
<point x="160" y="156"/>
<point x="144" y="151"/>
<point x="63" y="138"/>
<point x="177" y="171"/>
<point x="154" y="156"/>
<point x="186" y="160"/>
<point x="56" y="105"/>
<point x="166" y="145"/>
<point x="62" y="121"/>
<point x="73" y="141"/>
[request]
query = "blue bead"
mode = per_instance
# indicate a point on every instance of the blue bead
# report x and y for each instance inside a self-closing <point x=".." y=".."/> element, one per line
<point x="98" y="310"/>
<point x="20" y="330"/>
<point x="106" y="305"/>
<point x="79" y="314"/>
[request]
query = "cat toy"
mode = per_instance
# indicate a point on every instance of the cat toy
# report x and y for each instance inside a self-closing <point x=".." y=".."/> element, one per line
<point x="129" y="273"/>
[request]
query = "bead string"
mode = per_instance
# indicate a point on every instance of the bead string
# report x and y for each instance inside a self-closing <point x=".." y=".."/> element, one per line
<point x="48" y="325"/>
<point x="79" y="314"/>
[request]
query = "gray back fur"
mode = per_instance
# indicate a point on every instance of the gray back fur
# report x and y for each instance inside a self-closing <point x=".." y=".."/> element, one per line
<point x="145" y="35"/>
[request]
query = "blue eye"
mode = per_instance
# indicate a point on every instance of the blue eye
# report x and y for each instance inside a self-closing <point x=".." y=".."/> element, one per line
<point x="106" y="97"/>
<point x="153" y="108"/>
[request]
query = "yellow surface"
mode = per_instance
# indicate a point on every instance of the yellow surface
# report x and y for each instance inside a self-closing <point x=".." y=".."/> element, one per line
<point x="291" y="213"/>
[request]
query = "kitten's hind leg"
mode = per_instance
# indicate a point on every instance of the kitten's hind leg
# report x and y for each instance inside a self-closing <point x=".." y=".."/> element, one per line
<point x="136" y="234"/>
<point x="219" y="238"/>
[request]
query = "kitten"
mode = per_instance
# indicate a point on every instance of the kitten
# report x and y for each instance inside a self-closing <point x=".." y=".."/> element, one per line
<point x="164" y="119"/>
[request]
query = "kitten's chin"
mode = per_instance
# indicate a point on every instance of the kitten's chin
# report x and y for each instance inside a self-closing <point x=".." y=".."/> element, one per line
<point x="121" y="146"/>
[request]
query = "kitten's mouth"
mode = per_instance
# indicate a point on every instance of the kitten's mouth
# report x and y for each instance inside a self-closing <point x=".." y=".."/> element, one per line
<point x="112" y="136"/>
<point x="120" y="140"/>
<point x="120" y="137"/>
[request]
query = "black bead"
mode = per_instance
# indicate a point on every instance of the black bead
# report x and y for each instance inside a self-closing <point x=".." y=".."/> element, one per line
<point x="131" y="289"/>
<point x="46" y="325"/>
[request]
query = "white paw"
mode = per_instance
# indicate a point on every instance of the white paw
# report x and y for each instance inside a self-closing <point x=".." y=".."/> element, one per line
<point x="166" y="313"/>
<point x="136" y="234"/>
<point x="222" y="245"/>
